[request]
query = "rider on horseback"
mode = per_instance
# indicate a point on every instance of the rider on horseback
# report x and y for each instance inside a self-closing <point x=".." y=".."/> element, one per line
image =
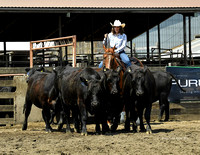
<point x="118" y="39"/>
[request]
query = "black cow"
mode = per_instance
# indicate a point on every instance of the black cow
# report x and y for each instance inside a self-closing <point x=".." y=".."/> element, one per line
<point x="163" y="86"/>
<point x="81" y="91"/>
<point x="112" y="95"/>
<point x="138" y="94"/>
<point x="39" y="86"/>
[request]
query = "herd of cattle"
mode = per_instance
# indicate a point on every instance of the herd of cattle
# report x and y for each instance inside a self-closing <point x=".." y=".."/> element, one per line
<point x="68" y="91"/>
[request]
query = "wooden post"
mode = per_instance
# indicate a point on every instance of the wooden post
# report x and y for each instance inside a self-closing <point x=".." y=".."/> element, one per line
<point x="31" y="55"/>
<point x="74" y="52"/>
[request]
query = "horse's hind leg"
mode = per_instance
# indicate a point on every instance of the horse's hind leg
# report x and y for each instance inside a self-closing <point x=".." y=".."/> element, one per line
<point x="26" y="110"/>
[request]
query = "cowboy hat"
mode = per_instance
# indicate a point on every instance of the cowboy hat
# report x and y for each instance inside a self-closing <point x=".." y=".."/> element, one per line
<point x="118" y="23"/>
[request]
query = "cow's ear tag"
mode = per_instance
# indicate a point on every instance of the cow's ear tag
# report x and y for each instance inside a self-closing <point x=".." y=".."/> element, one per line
<point x="84" y="82"/>
<point x="129" y="70"/>
<point x="28" y="73"/>
<point x="41" y="71"/>
<point x="104" y="69"/>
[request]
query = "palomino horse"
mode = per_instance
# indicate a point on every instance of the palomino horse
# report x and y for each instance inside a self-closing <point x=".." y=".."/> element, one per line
<point x="111" y="60"/>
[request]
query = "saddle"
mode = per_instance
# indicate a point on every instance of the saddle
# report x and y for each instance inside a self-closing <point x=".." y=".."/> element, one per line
<point x="111" y="51"/>
<point x="136" y="61"/>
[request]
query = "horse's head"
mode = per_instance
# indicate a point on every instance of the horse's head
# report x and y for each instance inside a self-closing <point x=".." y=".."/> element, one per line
<point x="109" y="58"/>
<point x="109" y="50"/>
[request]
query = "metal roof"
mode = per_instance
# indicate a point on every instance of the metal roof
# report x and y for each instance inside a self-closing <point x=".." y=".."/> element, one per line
<point x="79" y="6"/>
<point x="100" y="3"/>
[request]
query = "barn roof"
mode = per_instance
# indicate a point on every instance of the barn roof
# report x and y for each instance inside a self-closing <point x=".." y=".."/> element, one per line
<point x="98" y="5"/>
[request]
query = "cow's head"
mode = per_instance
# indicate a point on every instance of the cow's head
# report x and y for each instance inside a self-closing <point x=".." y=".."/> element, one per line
<point x="112" y="78"/>
<point x="138" y="80"/>
<point x="93" y="92"/>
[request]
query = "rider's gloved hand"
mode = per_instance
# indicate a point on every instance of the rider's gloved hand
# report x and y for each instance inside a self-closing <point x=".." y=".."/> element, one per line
<point x="106" y="35"/>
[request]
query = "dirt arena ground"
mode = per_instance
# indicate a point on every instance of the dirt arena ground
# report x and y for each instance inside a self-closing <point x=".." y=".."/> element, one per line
<point x="173" y="137"/>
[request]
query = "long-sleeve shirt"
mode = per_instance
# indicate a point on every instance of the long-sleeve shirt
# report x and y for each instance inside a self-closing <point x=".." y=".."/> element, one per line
<point x="119" y="41"/>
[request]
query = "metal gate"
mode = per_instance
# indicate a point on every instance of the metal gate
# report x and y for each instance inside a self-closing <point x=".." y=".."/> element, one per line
<point x="55" y="43"/>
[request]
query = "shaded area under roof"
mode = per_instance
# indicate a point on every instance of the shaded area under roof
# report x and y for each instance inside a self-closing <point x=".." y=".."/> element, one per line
<point x="24" y="20"/>
<point x="87" y="26"/>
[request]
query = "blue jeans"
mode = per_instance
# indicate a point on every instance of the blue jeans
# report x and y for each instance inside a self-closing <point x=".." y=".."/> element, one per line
<point x="124" y="58"/>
